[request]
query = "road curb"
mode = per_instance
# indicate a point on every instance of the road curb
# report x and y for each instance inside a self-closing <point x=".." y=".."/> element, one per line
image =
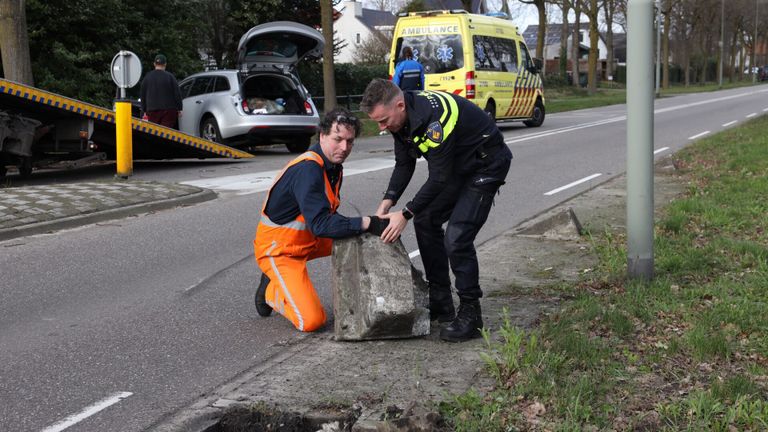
<point x="100" y="216"/>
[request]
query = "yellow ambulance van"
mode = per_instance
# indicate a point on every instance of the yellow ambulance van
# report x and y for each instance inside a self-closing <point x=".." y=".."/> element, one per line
<point x="482" y="58"/>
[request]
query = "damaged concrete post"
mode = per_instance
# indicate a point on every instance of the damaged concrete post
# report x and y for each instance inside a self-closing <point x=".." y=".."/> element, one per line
<point x="377" y="293"/>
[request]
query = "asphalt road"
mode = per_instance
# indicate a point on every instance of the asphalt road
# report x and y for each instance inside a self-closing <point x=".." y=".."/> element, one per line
<point x="119" y="324"/>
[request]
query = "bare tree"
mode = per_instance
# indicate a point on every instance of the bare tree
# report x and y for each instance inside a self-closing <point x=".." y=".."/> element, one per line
<point x="609" y="11"/>
<point x="575" y="43"/>
<point x="374" y="48"/>
<point x="666" y="10"/>
<point x="329" y="82"/>
<point x="542" y="35"/>
<point x="14" y="42"/>
<point x="592" y="10"/>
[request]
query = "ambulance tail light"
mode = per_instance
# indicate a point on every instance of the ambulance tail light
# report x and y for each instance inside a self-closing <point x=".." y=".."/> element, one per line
<point x="245" y="106"/>
<point x="470" y="85"/>
<point x="308" y="107"/>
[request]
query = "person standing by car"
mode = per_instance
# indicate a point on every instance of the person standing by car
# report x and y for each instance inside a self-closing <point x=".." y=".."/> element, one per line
<point x="160" y="96"/>
<point x="409" y="74"/>
<point x="299" y="221"/>
<point x="467" y="162"/>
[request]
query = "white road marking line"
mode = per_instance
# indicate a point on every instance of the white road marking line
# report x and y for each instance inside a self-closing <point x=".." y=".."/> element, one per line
<point x="87" y="412"/>
<point x="751" y="115"/>
<point x="730" y="123"/>
<point x="661" y="150"/>
<point x="698" y="135"/>
<point x="245" y="184"/>
<point x="414" y="254"/>
<point x="570" y="185"/>
<point x="622" y="118"/>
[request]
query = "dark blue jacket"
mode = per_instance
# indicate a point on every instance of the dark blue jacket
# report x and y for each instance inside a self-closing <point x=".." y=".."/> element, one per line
<point x="409" y="75"/>
<point x="301" y="190"/>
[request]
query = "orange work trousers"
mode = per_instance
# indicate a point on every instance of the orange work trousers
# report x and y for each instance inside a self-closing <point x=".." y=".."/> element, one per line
<point x="290" y="291"/>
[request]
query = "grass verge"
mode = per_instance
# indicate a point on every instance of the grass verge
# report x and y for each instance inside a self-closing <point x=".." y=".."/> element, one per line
<point x="687" y="351"/>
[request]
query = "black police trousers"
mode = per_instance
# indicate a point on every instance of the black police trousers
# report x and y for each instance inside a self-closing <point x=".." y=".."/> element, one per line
<point x="464" y="204"/>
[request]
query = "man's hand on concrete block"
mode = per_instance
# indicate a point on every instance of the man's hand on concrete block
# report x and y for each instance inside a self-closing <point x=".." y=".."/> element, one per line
<point x="377" y="225"/>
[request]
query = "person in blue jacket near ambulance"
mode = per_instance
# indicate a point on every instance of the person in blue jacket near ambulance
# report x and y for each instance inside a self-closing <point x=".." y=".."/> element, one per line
<point x="409" y="73"/>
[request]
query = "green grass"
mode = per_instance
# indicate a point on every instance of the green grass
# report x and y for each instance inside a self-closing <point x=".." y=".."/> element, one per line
<point x="686" y="351"/>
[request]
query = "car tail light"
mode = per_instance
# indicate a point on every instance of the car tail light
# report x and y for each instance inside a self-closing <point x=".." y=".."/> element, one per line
<point x="308" y="107"/>
<point x="470" y="85"/>
<point x="244" y="104"/>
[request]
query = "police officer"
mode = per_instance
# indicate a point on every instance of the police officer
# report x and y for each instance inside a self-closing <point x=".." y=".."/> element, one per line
<point x="467" y="162"/>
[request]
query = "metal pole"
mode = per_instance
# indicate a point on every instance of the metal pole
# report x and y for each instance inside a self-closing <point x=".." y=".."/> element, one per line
<point x="722" y="43"/>
<point x="658" y="48"/>
<point x="640" y="139"/>
<point x="124" y="143"/>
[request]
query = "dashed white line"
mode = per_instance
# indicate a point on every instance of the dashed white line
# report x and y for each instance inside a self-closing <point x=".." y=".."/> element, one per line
<point x="698" y="135"/>
<point x="730" y="123"/>
<point x="661" y="150"/>
<point x="751" y="115"/>
<point x="570" y="185"/>
<point x="87" y="412"/>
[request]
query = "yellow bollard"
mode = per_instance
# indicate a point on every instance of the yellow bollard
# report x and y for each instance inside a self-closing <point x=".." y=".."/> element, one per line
<point x="124" y="141"/>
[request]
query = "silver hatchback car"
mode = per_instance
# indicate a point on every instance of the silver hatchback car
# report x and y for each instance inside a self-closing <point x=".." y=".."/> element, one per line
<point x="263" y="101"/>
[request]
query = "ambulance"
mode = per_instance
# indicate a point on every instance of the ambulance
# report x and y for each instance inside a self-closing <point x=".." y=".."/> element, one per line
<point x="482" y="58"/>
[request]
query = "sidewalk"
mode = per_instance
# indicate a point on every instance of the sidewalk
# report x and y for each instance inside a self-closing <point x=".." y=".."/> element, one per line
<point x="29" y="210"/>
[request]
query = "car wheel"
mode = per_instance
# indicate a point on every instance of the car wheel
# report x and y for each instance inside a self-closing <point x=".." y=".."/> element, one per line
<point x="25" y="168"/>
<point x="538" y="115"/>
<point x="209" y="129"/>
<point x="490" y="109"/>
<point x="299" y="145"/>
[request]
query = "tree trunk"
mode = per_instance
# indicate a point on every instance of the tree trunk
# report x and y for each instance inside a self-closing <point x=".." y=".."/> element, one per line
<point x="609" y="9"/>
<point x="329" y="82"/>
<point x="592" y="13"/>
<point x="575" y="43"/>
<point x="14" y="42"/>
<point x="542" y="29"/>
<point x="564" y="30"/>
<point x="665" y="44"/>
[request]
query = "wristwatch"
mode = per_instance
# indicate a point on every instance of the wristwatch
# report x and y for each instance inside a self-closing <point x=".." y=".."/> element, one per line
<point x="407" y="214"/>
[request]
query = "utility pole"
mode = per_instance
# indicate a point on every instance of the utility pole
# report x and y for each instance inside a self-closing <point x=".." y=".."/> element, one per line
<point x="640" y="139"/>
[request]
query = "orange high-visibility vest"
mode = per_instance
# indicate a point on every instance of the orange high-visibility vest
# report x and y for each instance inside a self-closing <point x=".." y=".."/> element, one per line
<point x="293" y="238"/>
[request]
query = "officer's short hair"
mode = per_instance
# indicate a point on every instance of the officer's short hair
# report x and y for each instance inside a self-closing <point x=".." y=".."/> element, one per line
<point x="379" y="92"/>
<point x="339" y="116"/>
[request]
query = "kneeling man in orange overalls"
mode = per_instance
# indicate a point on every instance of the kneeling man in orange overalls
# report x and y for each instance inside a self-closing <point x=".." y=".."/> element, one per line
<point x="299" y="221"/>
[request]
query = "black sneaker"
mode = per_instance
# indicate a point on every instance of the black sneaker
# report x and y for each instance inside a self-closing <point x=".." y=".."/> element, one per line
<point x="467" y="324"/>
<point x="262" y="307"/>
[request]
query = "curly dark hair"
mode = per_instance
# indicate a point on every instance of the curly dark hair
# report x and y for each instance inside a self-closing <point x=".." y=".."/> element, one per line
<point x="340" y="116"/>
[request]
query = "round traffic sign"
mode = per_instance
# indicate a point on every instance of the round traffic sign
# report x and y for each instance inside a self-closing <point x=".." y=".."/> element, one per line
<point x="126" y="69"/>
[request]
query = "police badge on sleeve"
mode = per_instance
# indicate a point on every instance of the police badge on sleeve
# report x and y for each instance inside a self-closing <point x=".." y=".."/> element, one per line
<point x="435" y="132"/>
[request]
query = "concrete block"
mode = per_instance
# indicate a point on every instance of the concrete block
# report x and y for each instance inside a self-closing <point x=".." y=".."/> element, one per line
<point x="377" y="293"/>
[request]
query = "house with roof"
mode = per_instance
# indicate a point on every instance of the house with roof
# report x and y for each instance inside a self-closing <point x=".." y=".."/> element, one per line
<point x="355" y="24"/>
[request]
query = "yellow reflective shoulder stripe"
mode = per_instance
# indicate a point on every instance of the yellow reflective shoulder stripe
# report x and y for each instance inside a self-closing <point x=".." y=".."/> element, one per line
<point x="451" y="112"/>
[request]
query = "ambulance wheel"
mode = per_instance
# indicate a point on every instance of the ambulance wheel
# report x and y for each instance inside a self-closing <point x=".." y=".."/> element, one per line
<point x="209" y="129"/>
<point x="490" y="109"/>
<point x="299" y="145"/>
<point x="538" y="115"/>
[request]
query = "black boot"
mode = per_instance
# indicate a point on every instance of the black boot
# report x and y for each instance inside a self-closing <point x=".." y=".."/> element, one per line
<point x="441" y="303"/>
<point x="467" y="324"/>
<point x="262" y="307"/>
